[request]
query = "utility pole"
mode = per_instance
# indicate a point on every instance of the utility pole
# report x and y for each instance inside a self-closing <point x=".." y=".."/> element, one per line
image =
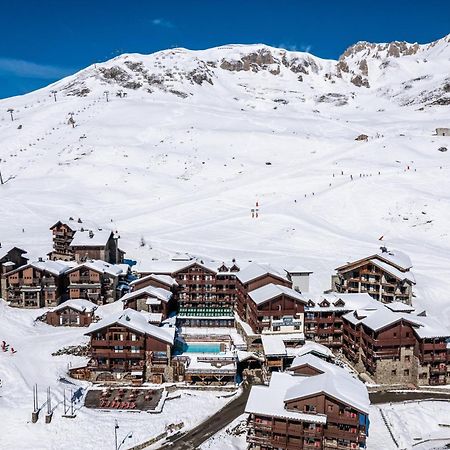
<point x="48" y="416"/>
<point x="54" y="94"/>
<point x="128" y="436"/>
<point x="35" y="413"/>
<point x="116" y="426"/>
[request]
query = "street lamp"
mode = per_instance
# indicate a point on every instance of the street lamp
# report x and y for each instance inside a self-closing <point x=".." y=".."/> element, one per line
<point x="128" y="436"/>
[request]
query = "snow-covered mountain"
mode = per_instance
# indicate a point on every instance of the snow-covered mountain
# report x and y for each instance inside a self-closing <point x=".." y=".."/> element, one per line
<point x="174" y="148"/>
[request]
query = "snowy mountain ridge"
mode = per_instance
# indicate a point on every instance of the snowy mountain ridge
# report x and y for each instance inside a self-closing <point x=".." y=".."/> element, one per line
<point x="361" y="65"/>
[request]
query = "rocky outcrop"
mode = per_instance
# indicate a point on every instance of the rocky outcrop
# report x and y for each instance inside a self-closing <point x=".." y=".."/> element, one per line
<point x="359" y="81"/>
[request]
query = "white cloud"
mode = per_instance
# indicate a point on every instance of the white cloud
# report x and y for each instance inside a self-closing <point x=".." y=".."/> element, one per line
<point x="295" y="47"/>
<point x="159" y="22"/>
<point x="28" y="69"/>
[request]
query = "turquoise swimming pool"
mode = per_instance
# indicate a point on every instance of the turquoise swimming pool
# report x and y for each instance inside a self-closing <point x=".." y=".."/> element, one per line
<point x="199" y="347"/>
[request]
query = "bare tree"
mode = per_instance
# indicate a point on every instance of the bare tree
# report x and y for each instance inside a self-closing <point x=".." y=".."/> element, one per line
<point x="1" y="178"/>
<point x="11" y="110"/>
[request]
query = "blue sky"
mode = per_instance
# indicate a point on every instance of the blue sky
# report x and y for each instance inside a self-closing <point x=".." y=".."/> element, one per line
<point x="44" y="40"/>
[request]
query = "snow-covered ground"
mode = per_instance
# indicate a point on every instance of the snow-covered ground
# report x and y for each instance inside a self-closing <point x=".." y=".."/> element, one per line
<point x="182" y="174"/>
<point x="32" y="363"/>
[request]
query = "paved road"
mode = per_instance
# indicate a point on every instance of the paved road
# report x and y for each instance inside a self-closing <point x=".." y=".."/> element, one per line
<point x="195" y="437"/>
<point x="398" y="397"/>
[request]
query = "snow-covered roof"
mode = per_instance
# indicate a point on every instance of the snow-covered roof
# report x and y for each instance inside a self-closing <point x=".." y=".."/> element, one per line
<point x="319" y="364"/>
<point x="298" y="270"/>
<point x="77" y="224"/>
<point x="396" y="257"/>
<point x="165" y="279"/>
<point x="394" y="271"/>
<point x="268" y="400"/>
<point x="97" y="238"/>
<point x="376" y="319"/>
<point x="225" y="362"/>
<point x="399" y="307"/>
<point x="341" y="302"/>
<point x="270" y="291"/>
<point x="78" y="304"/>
<point x="430" y="327"/>
<point x="383" y="317"/>
<point x="4" y="253"/>
<point x="101" y="266"/>
<point x="159" y="293"/>
<point x="342" y="387"/>
<point x="257" y="270"/>
<point x="311" y="347"/>
<point x="244" y="356"/>
<point x="167" y="267"/>
<point x="54" y="267"/>
<point x="155" y="318"/>
<point x="273" y="345"/>
<point x="137" y="321"/>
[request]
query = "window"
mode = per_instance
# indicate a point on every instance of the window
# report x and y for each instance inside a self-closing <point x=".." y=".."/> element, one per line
<point x="330" y="408"/>
<point x="406" y="372"/>
<point x="394" y="372"/>
<point x="118" y="349"/>
<point x="310" y="408"/>
<point x="407" y="358"/>
<point x="134" y="349"/>
<point x="407" y="334"/>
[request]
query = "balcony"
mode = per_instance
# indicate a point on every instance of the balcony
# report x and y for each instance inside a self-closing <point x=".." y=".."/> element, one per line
<point x="343" y="419"/>
<point x="108" y="343"/>
<point x="108" y="353"/>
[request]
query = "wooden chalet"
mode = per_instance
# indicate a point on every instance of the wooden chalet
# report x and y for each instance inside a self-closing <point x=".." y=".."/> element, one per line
<point x="397" y="347"/>
<point x="252" y="277"/>
<point x="275" y="308"/>
<point x="10" y="260"/>
<point x="154" y="300"/>
<point x="323" y="316"/>
<point x="95" y="280"/>
<point x="386" y="276"/>
<point x="126" y="347"/>
<point x="156" y="281"/>
<point x="37" y="284"/>
<point x="80" y="241"/>
<point x="324" y="408"/>
<point x="205" y="296"/>
<point x="72" y="313"/>
<point x="206" y="369"/>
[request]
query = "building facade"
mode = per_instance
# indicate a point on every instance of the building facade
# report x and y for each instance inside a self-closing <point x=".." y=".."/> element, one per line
<point x="96" y="281"/>
<point x="320" y="407"/>
<point x="10" y="260"/>
<point x="81" y="241"/>
<point x="397" y="347"/>
<point x="72" y="313"/>
<point x="385" y="276"/>
<point x="37" y="284"/>
<point x="126" y="347"/>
